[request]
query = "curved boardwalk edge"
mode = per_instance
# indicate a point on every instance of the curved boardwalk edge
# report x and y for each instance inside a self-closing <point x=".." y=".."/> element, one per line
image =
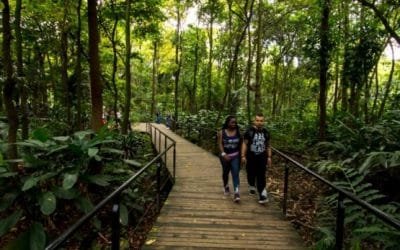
<point x="197" y="215"/>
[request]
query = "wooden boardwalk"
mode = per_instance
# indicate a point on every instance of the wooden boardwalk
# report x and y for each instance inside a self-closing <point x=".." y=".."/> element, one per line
<point x="197" y="215"/>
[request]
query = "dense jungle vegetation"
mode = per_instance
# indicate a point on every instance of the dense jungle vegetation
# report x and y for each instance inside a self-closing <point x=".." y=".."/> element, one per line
<point x="76" y="74"/>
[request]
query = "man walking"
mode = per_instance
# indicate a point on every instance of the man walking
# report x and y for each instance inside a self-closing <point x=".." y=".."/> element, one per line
<point x="256" y="155"/>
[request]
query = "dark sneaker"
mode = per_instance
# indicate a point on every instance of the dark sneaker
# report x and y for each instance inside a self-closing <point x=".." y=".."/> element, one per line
<point x="263" y="199"/>
<point x="236" y="197"/>
<point x="252" y="190"/>
<point x="226" y="190"/>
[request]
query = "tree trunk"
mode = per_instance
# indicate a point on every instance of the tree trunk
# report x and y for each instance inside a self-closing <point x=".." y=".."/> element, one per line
<point x="275" y="89"/>
<point x="20" y="72"/>
<point x="78" y="69"/>
<point x="193" y="100"/>
<point x="324" y="65"/>
<point x="248" y="74"/>
<point x="210" y="55"/>
<point x="9" y="89"/>
<point x="96" y="86"/>
<point x="257" y="89"/>
<point x="232" y="68"/>
<point x="388" y="84"/>
<point x="154" y="78"/>
<point x="66" y="93"/>
<point x="115" y="62"/>
<point x="177" y="61"/>
<point x="128" y="89"/>
<point x="346" y="63"/>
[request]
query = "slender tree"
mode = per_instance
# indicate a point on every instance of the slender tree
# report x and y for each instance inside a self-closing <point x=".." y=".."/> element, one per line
<point x="128" y="88"/>
<point x="9" y="89"/>
<point x="96" y="86"/>
<point x="20" y="71"/>
<point x="324" y="66"/>
<point x="177" y="58"/>
<point x="78" y="68"/>
<point x="258" y="45"/>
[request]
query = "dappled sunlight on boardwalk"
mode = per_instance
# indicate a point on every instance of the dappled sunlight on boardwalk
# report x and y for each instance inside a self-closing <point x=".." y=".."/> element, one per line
<point x="197" y="215"/>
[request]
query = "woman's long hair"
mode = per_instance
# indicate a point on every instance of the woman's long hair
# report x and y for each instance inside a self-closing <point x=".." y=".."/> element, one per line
<point x="227" y="120"/>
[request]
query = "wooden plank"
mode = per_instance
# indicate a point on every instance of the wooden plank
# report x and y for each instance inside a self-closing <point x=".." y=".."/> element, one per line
<point x="197" y="215"/>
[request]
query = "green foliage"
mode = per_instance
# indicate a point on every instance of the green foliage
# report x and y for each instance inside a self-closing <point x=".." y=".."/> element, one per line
<point x="358" y="154"/>
<point x="55" y="170"/>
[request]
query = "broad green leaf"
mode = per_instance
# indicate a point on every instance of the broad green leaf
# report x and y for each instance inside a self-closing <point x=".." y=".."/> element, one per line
<point x="112" y="150"/>
<point x="57" y="149"/>
<point x="31" y="182"/>
<point x="93" y="152"/>
<point x="2" y="163"/>
<point x="84" y="204"/>
<point x="133" y="163"/>
<point x="40" y="134"/>
<point x="66" y="194"/>
<point x="61" y="138"/>
<point x="3" y="170"/>
<point x="101" y="180"/>
<point x="6" y="175"/>
<point x="69" y="180"/>
<point x="48" y="203"/>
<point x="82" y="134"/>
<point x="37" y="239"/>
<point x="7" y="223"/>
<point x="7" y="200"/>
<point x="123" y="215"/>
<point x="21" y="242"/>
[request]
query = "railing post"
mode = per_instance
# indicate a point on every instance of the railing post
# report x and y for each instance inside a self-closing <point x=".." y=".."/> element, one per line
<point x="159" y="141"/>
<point x="165" y="147"/>
<point x="115" y="225"/>
<point x="158" y="185"/>
<point x="174" y="162"/>
<point x="340" y="222"/>
<point x="285" y="189"/>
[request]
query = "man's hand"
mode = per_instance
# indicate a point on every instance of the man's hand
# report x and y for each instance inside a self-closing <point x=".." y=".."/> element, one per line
<point x="244" y="160"/>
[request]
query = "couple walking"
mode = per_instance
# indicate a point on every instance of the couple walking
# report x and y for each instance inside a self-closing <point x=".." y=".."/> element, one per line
<point x="253" y="150"/>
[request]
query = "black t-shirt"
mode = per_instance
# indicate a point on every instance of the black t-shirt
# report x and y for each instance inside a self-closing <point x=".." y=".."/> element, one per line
<point x="258" y="140"/>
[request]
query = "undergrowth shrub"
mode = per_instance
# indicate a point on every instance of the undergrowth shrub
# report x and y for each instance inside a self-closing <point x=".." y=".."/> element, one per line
<point x="354" y="160"/>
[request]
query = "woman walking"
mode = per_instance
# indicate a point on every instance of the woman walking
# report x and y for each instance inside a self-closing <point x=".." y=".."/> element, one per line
<point x="229" y="143"/>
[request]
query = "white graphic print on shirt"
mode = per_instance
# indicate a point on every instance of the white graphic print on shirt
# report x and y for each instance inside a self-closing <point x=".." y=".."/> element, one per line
<point x="258" y="145"/>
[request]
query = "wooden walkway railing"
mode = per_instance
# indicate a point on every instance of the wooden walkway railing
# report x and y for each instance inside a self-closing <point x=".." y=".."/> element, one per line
<point x="197" y="215"/>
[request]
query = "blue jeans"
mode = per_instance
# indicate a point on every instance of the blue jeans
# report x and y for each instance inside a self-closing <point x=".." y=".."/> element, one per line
<point x="232" y="166"/>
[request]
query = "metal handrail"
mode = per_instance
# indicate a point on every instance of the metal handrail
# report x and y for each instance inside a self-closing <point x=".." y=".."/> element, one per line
<point x="115" y="196"/>
<point x="342" y="195"/>
<point x="154" y="132"/>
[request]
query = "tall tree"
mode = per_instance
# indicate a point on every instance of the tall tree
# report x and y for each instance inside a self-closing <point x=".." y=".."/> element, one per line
<point x="66" y="97"/>
<point x="128" y="88"/>
<point x="9" y="89"/>
<point x="96" y="86"/>
<point x="20" y="71"/>
<point x="78" y="68"/>
<point x="258" y="45"/>
<point x="324" y="66"/>
<point x="154" y="77"/>
<point x="177" y="58"/>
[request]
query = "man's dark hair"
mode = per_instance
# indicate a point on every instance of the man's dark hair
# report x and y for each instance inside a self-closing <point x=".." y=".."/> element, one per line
<point x="259" y="114"/>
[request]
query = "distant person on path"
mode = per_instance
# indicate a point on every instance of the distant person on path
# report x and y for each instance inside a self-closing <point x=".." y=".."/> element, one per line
<point x="158" y="117"/>
<point x="168" y="121"/>
<point x="256" y="154"/>
<point x="229" y="145"/>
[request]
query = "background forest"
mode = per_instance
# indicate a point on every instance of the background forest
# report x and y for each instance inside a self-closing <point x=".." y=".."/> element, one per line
<point x="325" y="73"/>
